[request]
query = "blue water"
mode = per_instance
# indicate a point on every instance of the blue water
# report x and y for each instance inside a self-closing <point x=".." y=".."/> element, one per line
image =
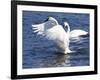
<point x="39" y="52"/>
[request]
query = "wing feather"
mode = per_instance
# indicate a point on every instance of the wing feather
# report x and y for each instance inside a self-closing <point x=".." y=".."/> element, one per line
<point x="39" y="28"/>
<point x="77" y="33"/>
<point x="46" y="29"/>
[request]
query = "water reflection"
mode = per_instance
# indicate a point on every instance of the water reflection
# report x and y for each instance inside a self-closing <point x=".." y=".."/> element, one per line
<point x="51" y="60"/>
<point x="62" y="60"/>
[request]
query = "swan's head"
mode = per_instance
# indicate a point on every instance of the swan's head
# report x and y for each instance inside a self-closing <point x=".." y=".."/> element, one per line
<point x="68" y="27"/>
<point x="66" y="24"/>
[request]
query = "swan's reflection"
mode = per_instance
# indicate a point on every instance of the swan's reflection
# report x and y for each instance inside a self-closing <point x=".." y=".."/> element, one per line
<point x="62" y="60"/>
<point x="56" y="60"/>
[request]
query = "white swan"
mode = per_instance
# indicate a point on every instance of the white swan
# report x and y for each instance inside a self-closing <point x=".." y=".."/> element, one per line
<point x="54" y="31"/>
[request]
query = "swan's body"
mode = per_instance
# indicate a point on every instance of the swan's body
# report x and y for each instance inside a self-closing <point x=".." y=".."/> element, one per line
<point x="54" y="31"/>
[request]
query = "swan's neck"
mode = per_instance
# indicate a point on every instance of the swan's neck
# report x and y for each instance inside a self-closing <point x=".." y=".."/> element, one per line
<point x="68" y="28"/>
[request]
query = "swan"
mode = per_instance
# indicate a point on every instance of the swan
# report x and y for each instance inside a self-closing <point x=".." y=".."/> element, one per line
<point x="52" y="30"/>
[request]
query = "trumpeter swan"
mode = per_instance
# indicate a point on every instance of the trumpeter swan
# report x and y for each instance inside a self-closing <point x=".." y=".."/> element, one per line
<point x="55" y="32"/>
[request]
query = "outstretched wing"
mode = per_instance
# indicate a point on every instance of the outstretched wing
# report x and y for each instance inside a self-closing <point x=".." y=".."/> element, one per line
<point x="39" y="28"/>
<point x="77" y="33"/>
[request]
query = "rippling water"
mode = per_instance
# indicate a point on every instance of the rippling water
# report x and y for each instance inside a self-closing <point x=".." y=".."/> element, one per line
<point x="39" y="52"/>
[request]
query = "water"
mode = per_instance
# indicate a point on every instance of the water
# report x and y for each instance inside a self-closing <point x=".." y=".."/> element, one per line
<point x="39" y="52"/>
